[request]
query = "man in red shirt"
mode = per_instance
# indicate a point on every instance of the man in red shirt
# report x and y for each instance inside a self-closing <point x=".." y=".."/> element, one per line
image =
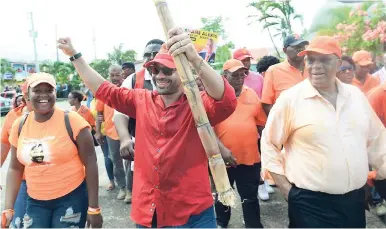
<point x="171" y="167"/>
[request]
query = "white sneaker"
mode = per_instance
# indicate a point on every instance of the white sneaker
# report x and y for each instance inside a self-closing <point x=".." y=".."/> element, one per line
<point x="380" y="209"/>
<point x="268" y="187"/>
<point x="263" y="193"/>
<point x="121" y="194"/>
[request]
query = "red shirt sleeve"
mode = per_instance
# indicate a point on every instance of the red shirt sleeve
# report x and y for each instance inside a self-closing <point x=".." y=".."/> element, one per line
<point x="121" y="99"/>
<point x="220" y="110"/>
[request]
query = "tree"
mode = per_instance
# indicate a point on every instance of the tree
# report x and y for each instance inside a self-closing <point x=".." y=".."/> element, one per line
<point x="363" y="27"/>
<point x="276" y="15"/>
<point x="101" y="66"/>
<point x="118" y="56"/>
<point x="6" y="67"/>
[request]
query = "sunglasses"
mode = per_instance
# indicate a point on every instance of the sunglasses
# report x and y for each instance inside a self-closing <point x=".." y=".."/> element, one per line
<point x="343" y="68"/>
<point x="166" y="71"/>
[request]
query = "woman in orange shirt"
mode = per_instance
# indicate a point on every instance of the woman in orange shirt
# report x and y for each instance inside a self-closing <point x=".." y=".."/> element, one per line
<point x="60" y="165"/>
<point x="75" y="99"/>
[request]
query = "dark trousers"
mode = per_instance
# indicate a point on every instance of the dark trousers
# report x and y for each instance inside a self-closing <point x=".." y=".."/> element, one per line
<point x="309" y="209"/>
<point x="247" y="180"/>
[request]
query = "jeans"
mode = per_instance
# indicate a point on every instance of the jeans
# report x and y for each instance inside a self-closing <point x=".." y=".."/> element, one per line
<point x="129" y="175"/>
<point x="377" y="199"/>
<point x="108" y="162"/>
<point x="309" y="209"/>
<point x="119" y="170"/>
<point x="247" y="179"/>
<point x="20" y="206"/>
<point x="63" y="212"/>
<point x="205" y="219"/>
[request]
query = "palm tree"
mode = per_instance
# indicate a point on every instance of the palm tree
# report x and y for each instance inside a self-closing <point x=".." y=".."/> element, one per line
<point x="276" y="15"/>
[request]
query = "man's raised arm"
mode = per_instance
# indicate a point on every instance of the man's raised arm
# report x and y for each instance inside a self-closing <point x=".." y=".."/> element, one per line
<point x="91" y="78"/>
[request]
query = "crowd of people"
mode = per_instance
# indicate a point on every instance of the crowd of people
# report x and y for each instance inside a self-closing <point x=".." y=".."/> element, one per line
<point x="312" y="125"/>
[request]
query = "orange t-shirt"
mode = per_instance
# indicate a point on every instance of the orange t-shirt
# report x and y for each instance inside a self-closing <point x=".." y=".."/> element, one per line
<point x="108" y="114"/>
<point x="61" y="170"/>
<point x="239" y="131"/>
<point x="377" y="99"/>
<point x="85" y="113"/>
<point x="370" y="83"/>
<point x="8" y="121"/>
<point x="278" y="78"/>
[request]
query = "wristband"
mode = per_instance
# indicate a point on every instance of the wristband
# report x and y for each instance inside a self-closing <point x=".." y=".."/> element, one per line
<point x="93" y="211"/>
<point x="76" y="56"/>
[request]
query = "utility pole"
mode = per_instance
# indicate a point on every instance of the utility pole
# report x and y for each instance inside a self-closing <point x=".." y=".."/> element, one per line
<point x="56" y="38"/>
<point x="94" y="42"/>
<point x="34" y="34"/>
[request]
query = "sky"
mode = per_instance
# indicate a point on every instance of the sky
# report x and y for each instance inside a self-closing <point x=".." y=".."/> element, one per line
<point x="131" y="22"/>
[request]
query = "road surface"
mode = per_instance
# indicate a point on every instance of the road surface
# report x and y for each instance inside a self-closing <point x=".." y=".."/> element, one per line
<point x="116" y="212"/>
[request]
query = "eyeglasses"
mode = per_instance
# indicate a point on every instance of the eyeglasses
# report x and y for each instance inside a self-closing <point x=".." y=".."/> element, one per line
<point x="343" y="68"/>
<point x="166" y="71"/>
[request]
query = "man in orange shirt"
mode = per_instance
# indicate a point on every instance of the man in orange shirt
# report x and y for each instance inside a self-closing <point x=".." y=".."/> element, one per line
<point x="112" y="137"/>
<point x="363" y="80"/>
<point x="238" y="135"/>
<point x="330" y="135"/>
<point x="282" y="76"/>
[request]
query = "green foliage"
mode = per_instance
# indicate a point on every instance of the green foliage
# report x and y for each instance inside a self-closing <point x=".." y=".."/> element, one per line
<point x="215" y="25"/>
<point x="278" y="16"/>
<point x="5" y="66"/>
<point x="101" y="66"/>
<point x="119" y="56"/>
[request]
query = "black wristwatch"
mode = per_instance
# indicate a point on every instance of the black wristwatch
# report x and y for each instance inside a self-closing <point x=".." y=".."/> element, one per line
<point x="76" y="56"/>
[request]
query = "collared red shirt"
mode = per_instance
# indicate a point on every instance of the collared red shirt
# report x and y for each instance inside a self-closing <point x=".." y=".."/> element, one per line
<point x="370" y="83"/>
<point x="326" y="149"/>
<point x="171" y="166"/>
<point x="280" y="77"/>
<point x="239" y="131"/>
<point x="377" y="99"/>
<point x="254" y="81"/>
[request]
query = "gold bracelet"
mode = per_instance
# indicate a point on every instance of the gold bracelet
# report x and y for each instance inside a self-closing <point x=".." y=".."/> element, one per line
<point x="94" y="213"/>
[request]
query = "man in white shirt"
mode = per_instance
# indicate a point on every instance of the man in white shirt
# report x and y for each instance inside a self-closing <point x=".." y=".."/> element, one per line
<point x="381" y="73"/>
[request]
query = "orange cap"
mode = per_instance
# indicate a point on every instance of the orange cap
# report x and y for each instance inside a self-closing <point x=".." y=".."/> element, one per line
<point x="323" y="45"/>
<point x="362" y="58"/>
<point x="241" y="54"/>
<point x="41" y="77"/>
<point x="162" y="57"/>
<point x="233" y="65"/>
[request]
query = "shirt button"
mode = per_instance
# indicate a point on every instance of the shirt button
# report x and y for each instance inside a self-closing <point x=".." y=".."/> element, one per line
<point x="157" y="186"/>
<point x="158" y="150"/>
<point x="155" y="168"/>
<point x="151" y="209"/>
<point x="161" y="134"/>
<point x="153" y="204"/>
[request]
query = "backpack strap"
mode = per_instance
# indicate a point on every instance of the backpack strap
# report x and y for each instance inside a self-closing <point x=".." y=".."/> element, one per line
<point x="22" y="122"/>
<point x="68" y="127"/>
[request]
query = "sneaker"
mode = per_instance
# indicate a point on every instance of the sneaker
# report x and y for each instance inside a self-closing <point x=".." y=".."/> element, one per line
<point x="263" y="193"/>
<point x="380" y="209"/>
<point x="121" y="194"/>
<point x="128" y="197"/>
<point x="268" y="187"/>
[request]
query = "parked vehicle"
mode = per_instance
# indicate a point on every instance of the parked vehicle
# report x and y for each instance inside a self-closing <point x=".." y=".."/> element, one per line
<point x="5" y="105"/>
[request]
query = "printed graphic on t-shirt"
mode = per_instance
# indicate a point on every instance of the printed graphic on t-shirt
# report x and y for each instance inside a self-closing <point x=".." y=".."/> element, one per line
<point x="36" y="151"/>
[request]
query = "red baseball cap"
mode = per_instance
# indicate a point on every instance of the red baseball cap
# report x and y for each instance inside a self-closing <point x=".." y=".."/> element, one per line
<point x="162" y="57"/>
<point x="323" y="45"/>
<point x="233" y="65"/>
<point x="241" y="54"/>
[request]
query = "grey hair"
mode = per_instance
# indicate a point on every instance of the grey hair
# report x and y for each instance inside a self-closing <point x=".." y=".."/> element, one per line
<point x="115" y="66"/>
